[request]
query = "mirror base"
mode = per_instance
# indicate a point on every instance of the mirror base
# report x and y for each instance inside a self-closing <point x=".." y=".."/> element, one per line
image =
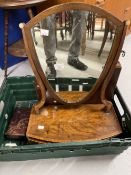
<point x="61" y="123"/>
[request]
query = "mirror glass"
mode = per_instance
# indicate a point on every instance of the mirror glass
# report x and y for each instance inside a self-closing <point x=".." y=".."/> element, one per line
<point x="72" y="48"/>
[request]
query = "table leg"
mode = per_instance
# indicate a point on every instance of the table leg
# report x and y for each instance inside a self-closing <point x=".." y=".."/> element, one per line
<point x="104" y="38"/>
<point x="6" y="41"/>
<point x="30" y="13"/>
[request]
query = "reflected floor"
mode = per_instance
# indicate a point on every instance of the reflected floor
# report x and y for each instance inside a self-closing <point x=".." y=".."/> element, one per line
<point x="95" y="64"/>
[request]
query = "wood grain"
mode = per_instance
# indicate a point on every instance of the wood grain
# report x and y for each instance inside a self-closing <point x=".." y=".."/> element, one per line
<point x="72" y="96"/>
<point x="75" y="123"/>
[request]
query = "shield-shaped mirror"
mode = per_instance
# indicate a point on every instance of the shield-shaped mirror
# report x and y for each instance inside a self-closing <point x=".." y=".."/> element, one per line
<point x="71" y="48"/>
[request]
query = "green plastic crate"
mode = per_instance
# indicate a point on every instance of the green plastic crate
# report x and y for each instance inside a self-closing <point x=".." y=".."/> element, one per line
<point x="21" y="92"/>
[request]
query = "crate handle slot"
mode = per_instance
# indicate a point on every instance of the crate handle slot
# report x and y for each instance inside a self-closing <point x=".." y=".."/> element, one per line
<point x="2" y="104"/>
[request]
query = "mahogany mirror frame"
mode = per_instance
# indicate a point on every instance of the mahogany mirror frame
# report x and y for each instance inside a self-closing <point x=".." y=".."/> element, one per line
<point x="98" y="93"/>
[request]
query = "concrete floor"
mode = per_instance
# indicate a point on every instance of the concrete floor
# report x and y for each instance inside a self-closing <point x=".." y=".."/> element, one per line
<point x="97" y="165"/>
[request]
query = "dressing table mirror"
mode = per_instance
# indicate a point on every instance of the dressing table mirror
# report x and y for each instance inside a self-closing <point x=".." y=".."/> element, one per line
<point x="73" y="49"/>
<point x="59" y="42"/>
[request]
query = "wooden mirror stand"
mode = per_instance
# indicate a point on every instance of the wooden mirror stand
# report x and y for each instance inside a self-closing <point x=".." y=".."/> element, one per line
<point x="93" y="117"/>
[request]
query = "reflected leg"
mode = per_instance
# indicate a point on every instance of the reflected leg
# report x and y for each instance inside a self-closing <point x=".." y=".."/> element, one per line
<point x="49" y="42"/>
<point x="79" y="25"/>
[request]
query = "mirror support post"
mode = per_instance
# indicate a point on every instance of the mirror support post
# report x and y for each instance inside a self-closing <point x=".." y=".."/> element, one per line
<point x="36" y="108"/>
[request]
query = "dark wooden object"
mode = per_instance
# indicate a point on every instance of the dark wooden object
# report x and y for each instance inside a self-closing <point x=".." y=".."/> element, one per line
<point x="14" y="4"/>
<point x="18" y="124"/>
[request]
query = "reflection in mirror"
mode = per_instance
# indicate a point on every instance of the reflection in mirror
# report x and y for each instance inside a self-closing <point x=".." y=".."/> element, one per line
<point x="72" y="48"/>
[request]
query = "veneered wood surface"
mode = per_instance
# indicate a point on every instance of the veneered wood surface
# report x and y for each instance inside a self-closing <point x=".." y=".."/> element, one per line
<point x="79" y="123"/>
<point x="121" y="9"/>
<point x="72" y="96"/>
